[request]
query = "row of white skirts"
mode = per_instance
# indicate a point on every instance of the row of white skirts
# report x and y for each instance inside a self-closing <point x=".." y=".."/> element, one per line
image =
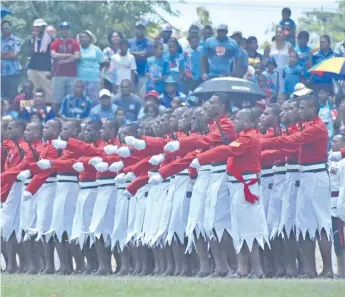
<point x="178" y="209"/>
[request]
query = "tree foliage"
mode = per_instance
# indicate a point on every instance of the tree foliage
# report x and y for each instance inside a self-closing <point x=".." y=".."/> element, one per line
<point x="97" y="16"/>
<point x="204" y="17"/>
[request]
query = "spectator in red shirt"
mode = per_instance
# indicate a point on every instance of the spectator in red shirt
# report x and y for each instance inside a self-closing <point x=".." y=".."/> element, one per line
<point x="64" y="51"/>
<point x="25" y="98"/>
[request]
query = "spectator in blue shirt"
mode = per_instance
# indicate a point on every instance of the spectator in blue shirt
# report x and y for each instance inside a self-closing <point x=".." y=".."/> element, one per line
<point x="192" y="57"/>
<point x="325" y="113"/>
<point x="7" y="113"/>
<point x="76" y="105"/>
<point x="129" y="102"/>
<point x="157" y="68"/>
<point x="105" y="110"/>
<point x="120" y="117"/>
<point x="218" y="54"/>
<point x="207" y="32"/>
<point x="292" y="74"/>
<point x="10" y="66"/>
<point x="303" y="52"/>
<point x="176" y="63"/>
<point x="288" y="25"/>
<point x="39" y="107"/>
<point x="272" y="75"/>
<point x="171" y="92"/>
<point x="141" y="48"/>
<point x="325" y="52"/>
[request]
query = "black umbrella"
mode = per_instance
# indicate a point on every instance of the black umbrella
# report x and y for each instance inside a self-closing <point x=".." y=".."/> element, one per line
<point x="237" y="89"/>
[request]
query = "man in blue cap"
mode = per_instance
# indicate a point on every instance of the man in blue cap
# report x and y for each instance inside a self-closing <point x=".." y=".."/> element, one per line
<point x="220" y="55"/>
<point x="65" y="52"/>
<point x="141" y="48"/>
<point x="170" y="92"/>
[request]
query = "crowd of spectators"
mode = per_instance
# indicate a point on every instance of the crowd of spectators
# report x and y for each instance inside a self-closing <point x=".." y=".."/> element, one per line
<point x="132" y="79"/>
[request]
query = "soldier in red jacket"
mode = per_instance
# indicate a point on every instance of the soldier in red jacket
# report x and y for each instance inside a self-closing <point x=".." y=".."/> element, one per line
<point x="248" y="221"/>
<point x="313" y="213"/>
<point x="43" y="196"/>
<point x="10" y="213"/>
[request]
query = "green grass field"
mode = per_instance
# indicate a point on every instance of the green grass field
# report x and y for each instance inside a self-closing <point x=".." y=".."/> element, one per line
<point x="83" y="286"/>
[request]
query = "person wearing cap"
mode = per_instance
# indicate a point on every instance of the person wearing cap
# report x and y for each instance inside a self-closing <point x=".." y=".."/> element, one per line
<point x="75" y="105"/>
<point x="152" y="97"/>
<point x="65" y="52"/>
<point x="156" y="70"/>
<point x="105" y="110"/>
<point x="89" y="64"/>
<point x="243" y="58"/>
<point x="10" y="66"/>
<point x="39" y="68"/>
<point x="166" y="34"/>
<point x="141" y="48"/>
<point x="170" y="87"/>
<point x="219" y="52"/>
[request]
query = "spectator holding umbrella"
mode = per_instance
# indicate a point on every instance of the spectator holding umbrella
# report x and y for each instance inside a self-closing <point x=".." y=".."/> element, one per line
<point x="10" y="66"/>
<point x="219" y="52"/>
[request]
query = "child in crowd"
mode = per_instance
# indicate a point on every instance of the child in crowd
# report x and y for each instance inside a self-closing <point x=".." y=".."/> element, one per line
<point x="120" y="117"/>
<point x="176" y="63"/>
<point x="192" y="56"/>
<point x="292" y="74"/>
<point x="156" y="69"/>
<point x="151" y="97"/>
<point x="7" y="113"/>
<point x="36" y="117"/>
<point x="288" y="25"/>
<point x="304" y="52"/>
<point x="272" y="75"/>
<point x="151" y="110"/>
<point x="262" y="82"/>
<point x="176" y="103"/>
<point x="39" y="106"/>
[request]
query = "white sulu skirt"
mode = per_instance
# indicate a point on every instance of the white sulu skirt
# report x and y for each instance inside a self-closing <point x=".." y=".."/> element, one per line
<point x="217" y="205"/>
<point x="67" y="191"/>
<point x="131" y="219"/>
<point x="83" y="214"/>
<point x="10" y="215"/>
<point x="160" y="236"/>
<point x="266" y="186"/>
<point x="140" y="199"/>
<point x="180" y="208"/>
<point x="103" y="215"/>
<point x="248" y="220"/>
<point x="313" y="207"/>
<point x="195" y="222"/>
<point x="163" y="199"/>
<point x="119" y="233"/>
<point x="147" y="230"/>
<point x="276" y="200"/>
<point x="288" y="213"/>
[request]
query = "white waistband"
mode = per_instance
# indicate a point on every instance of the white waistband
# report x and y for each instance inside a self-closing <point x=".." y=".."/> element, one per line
<point x="183" y="172"/>
<point x="218" y="167"/>
<point x="292" y="167"/>
<point x="67" y="177"/>
<point x="119" y="186"/>
<point x="152" y="173"/>
<point x="51" y="179"/>
<point x="106" y="181"/>
<point x="266" y="171"/>
<point x="303" y="168"/>
<point x="277" y="169"/>
<point x="84" y="184"/>
<point x="246" y="177"/>
<point x="205" y="167"/>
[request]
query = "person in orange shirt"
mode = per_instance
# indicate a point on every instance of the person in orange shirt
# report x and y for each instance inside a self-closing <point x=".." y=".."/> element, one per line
<point x="248" y="222"/>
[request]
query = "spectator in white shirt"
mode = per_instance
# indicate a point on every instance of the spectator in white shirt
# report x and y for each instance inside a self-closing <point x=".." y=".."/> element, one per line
<point x="124" y="64"/>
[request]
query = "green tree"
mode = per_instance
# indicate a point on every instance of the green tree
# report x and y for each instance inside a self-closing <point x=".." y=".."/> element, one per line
<point x="204" y="17"/>
<point x="97" y="16"/>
